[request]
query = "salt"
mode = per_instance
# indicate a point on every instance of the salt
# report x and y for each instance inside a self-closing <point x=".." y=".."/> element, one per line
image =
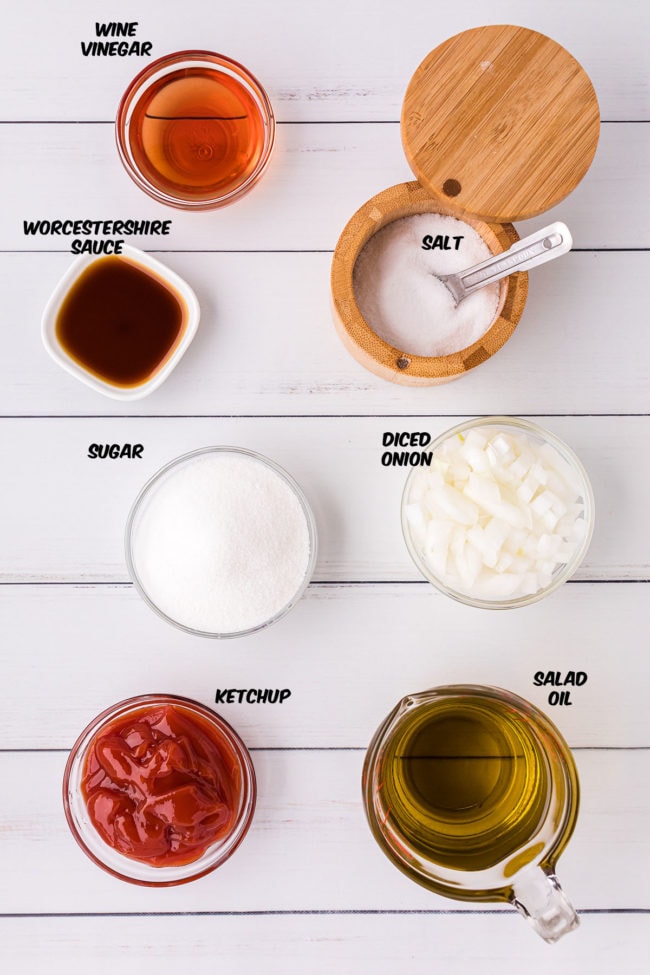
<point x="401" y="299"/>
<point x="222" y="543"/>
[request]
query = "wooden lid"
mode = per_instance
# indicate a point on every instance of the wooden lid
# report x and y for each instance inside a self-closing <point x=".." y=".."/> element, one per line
<point x="500" y="122"/>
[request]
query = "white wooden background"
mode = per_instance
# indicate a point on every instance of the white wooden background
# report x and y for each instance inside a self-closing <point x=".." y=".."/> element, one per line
<point x="309" y="891"/>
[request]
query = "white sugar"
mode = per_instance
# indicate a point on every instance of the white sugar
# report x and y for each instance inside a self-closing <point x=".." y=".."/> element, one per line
<point x="222" y="543"/>
<point x="401" y="299"/>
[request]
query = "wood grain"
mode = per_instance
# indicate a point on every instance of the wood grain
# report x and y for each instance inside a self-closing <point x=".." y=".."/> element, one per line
<point x="51" y="532"/>
<point x="334" y="60"/>
<point x="260" y="372"/>
<point x="348" y="653"/>
<point x="326" y="171"/>
<point x="500" y="122"/>
<point x="309" y="848"/>
<point x="377" y="355"/>
<point x="301" y="367"/>
<point x="294" y="944"/>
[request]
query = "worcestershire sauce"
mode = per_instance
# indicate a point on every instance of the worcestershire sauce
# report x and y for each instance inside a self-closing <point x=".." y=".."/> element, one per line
<point x="120" y="321"/>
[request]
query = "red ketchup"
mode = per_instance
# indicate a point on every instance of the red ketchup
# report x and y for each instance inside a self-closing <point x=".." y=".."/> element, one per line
<point x="161" y="786"/>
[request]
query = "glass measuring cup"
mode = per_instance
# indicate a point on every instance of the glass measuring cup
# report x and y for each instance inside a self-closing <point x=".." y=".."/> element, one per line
<point x="473" y="793"/>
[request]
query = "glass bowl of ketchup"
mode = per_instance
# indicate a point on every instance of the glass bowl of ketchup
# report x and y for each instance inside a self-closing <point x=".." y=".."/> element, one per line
<point x="159" y="790"/>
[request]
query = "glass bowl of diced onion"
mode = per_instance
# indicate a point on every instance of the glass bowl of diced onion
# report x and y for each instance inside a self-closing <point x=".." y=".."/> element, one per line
<point x="502" y="516"/>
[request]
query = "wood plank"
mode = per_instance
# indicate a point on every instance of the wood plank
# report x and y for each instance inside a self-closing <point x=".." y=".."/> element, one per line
<point x="346" y="653"/>
<point x="295" y="944"/>
<point x="309" y="847"/>
<point x="319" y="176"/>
<point x="258" y="352"/>
<point x="358" y="69"/>
<point x="63" y="515"/>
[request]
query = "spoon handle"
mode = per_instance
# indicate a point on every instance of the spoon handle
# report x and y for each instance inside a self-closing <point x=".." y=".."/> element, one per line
<point x="538" y="248"/>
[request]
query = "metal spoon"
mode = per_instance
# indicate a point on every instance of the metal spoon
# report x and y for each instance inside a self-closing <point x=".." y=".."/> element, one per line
<point x="538" y="248"/>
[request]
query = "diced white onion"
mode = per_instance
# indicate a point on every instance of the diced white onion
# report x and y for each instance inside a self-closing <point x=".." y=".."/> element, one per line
<point x="497" y="514"/>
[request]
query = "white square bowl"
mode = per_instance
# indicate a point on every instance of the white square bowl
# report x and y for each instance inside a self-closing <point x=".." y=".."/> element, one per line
<point x="59" y="354"/>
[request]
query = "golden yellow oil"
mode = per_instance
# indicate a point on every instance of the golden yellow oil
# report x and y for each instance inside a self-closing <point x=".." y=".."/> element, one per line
<point x="465" y="782"/>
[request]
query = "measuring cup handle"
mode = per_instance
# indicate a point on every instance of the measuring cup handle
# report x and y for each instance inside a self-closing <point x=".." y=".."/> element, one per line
<point x="538" y="248"/>
<point x="538" y="896"/>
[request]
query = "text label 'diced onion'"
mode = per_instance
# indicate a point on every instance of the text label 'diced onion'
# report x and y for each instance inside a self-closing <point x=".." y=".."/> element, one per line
<point x="499" y="514"/>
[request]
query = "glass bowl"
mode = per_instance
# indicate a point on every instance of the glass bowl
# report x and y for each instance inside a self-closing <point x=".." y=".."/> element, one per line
<point x="563" y="568"/>
<point x="139" y="871"/>
<point x="195" y="130"/>
<point x="164" y="476"/>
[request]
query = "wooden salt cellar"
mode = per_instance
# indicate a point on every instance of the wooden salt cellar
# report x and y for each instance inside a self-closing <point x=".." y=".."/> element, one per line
<point x="499" y="123"/>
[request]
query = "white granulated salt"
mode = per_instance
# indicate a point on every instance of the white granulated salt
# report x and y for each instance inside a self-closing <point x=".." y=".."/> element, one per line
<point x="222" y="543"/>
<point x="401" y="299"/>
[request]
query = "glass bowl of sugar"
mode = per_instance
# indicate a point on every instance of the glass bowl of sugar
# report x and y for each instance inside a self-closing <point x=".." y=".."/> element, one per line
<point x="221" y="542"/>
<point x="502" y="516"/>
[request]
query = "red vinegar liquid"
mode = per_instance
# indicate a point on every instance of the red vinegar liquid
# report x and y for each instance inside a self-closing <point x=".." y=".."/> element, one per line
<point x="197" y="133"/>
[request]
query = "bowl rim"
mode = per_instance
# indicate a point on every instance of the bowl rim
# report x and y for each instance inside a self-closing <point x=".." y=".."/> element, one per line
<point x="544" y="729"/>
<point x="188" y="458"/>
<point x="364" y="344"/>
<point x="128" y="868"/>
<point x="567" y="453"/>
<point x="139" y="258"/>
<point x="184" y="59"/>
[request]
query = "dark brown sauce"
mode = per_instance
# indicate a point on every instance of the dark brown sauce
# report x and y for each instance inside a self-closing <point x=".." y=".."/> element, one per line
<point x="120" y="321"/>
